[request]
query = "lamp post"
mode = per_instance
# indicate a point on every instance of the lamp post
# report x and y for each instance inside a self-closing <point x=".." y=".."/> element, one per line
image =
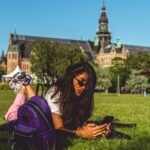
<point x="118" y="85"/>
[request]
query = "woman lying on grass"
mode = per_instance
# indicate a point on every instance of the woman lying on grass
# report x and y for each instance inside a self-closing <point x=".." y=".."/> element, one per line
<point x="70" y="99"/>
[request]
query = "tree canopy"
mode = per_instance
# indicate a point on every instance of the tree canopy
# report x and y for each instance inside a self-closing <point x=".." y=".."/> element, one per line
<point x="139" y="61"/>
<point x="125" y="69"/>
<point x="136" y="84"/>
<point x="50" y="60"/>
<point x="2" y="72"/>
<point x="103" y="77"/>
<point x="119" y="69"/>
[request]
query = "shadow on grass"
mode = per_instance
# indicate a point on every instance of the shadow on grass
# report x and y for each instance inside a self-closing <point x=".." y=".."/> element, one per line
<point x="141" y="143"/>
<point x="4" y="145"/>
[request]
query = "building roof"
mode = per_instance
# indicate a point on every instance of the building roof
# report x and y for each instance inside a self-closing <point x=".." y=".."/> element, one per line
<point x="131" y="48"/>
<point x="109" y="48"/>
<point x="135" y="48"/>
<point x="24" y="41"/>
<point x="3" y="60"/>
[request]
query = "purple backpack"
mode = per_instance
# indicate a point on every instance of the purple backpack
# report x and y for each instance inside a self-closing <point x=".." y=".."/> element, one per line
<point x="34" y="127"/>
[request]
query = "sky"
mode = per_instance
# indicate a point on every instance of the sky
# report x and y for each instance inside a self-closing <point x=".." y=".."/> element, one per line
<point x="75" y="19"/>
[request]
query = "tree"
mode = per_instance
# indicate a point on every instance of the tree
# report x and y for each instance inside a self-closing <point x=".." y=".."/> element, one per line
<point x="138" y="61"/>
<point x="2" y="72"/>
<point x="40" y="59"/>
<point x="50" y="60"/>
<point x="123" y="68"/>
<point x="136" y="84"/>
<point x="103" y="77"/>
<point x="119" y="69"/>
<point x="65" y="56"/>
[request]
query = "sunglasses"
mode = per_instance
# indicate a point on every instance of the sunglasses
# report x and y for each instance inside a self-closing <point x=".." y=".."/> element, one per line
<point x="81" y="82"/>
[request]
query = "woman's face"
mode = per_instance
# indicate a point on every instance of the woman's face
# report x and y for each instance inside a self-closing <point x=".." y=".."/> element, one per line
<point x="80" y="83"/>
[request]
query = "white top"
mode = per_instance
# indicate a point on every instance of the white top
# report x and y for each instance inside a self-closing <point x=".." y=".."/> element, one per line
<point x="52" y="102"/>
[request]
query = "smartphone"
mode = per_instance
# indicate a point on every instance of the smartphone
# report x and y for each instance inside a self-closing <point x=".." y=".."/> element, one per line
<point x="107" y="119"/>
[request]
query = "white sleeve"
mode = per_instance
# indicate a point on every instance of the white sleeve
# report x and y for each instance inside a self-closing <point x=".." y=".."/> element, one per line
<point x="52" y="102"/>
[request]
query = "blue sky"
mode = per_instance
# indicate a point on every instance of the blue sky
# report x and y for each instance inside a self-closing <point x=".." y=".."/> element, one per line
<point x="75" y="19"/>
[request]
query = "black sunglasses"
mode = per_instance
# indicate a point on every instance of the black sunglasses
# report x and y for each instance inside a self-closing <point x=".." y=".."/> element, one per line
<point x="81" y="82"/>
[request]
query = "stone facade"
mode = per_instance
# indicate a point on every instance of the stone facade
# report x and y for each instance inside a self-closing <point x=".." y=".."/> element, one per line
<point x="26" y="65"/>
<point x="105" y="59"/>
<point x="12" y="61"/>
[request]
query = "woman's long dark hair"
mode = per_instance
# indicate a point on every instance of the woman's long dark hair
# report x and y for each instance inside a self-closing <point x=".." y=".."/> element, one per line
<point x="74" y="108"/>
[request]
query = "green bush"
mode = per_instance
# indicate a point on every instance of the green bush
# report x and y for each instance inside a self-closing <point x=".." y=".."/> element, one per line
<point x="4" y="86"/>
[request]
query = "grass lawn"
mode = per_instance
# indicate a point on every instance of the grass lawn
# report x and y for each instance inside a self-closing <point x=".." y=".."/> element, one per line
<point x="125" y="108"/>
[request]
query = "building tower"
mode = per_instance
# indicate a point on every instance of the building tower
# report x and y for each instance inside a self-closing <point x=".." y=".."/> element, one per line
<point x="103" y="33"/>
<point x="3" y="60"/>
<point x="13" y="55"/>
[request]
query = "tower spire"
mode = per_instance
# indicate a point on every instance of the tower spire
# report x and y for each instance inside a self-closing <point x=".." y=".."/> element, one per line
<point x="15" y="34"/>
<point x="103" y="3"/>
<point x="103" y="32"/>
<point x="2" y="55"/>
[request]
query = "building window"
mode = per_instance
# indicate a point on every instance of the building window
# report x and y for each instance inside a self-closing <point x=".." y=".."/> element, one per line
<point x="14" y="56"/>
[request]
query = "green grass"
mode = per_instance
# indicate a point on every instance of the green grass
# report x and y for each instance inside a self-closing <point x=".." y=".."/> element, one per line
<point x="125" y="108"/>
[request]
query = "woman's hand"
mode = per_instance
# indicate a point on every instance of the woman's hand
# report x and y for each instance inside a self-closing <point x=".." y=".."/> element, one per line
<point x="91" y="130"/>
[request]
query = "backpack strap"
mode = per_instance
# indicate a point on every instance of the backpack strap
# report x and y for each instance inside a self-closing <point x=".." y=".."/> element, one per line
<point x="8" y="126"/>
<point x="44" y="89"/>
<point x="122" y="125"/>
<point x="38" y="89"/>
<point x="41" y="113"/>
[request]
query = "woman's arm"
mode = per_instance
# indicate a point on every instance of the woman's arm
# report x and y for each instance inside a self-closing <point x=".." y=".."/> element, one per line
<point x="57" y="120"/>
<point x="89" y="130"/>
<point x="58" y="123"/>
